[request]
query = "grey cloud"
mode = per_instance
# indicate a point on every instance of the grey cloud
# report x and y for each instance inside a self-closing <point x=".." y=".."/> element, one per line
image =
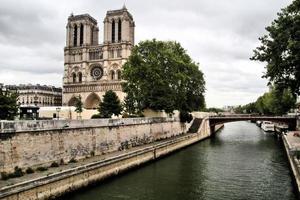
<point x="220" y="35"/>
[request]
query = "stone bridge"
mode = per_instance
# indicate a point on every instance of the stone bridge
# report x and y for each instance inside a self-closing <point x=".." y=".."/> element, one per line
<point x="289" y="120"/>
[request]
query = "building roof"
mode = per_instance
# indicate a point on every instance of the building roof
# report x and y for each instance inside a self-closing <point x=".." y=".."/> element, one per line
<point x="34" y="87"/>
<point x="82" y="17"/>
<point x="120" y="12"/>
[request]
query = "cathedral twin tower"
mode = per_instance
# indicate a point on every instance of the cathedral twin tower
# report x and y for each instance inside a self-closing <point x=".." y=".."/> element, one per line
<point x="91" y="68"/>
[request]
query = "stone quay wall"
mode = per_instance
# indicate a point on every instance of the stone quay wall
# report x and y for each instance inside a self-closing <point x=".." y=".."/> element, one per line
<point x="66" y="181"/>
<point x="33" y="143"/>
<point x="291" y="147"/>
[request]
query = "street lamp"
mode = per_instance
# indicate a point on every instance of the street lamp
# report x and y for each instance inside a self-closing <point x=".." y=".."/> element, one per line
<point x="58" y="109"/>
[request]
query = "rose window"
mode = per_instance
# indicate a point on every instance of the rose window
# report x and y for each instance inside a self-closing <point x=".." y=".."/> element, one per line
<point x="97" y="73"/>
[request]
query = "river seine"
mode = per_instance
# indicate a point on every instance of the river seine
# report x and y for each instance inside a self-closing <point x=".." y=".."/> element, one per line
<point x="241" y="162"/>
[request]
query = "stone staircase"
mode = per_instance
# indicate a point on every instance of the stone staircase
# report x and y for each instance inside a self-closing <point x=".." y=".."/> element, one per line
<point x="195" y="126"/>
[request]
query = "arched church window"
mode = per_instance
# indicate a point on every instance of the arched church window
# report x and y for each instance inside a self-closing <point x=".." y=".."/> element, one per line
<point x="112" y="75"/>
<point x="92" y="35"/>
<point x="80" y="77"/>
<point x="120" y="30"/>
<point x="75" y="36"/>
<point x="74" y="77"/>
<point x="119" y="75"/>
<point x="113" y="30"/>
<point x="81" y="34"/>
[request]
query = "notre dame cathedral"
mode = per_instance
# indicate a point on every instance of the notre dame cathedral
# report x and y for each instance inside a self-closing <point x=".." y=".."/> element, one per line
<point x="90" y="68"/>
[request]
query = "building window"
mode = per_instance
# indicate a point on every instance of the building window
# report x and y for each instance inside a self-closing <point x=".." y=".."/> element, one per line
<point x="97" y="72"/>
<point x="81" y="34"/>
<point x="113" y="30"/>
<point x="119" y="53"/>
<point x="119" y="75"/>
<point x="75" y="36"/>
<point x="96" y="55"/>
<point x="74" y="77"/>
<point x="112" y="75"/>
<point x="120" y="30"/>
<point x="111" y="54"/>
<point x="80" y="77"/>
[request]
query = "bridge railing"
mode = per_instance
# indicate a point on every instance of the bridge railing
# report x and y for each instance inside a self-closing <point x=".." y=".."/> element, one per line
<point x="254" y="116"/>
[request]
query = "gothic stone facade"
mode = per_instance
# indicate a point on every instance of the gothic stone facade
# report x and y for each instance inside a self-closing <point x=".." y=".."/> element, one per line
<point x="91" y="68"/>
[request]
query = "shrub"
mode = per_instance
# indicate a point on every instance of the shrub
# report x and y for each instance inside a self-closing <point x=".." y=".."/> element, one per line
<point x="61" y="162"/>
<point x="29" y="170"/>
<point x="97" y="116"/>
<point x="42" y="169"/>
<point x="73" y="160"/>
<point x="126" y="115"/>
<point x="17" y="173"/>
<point x="4" y="176"/>
<point x="54" y="164"/>
<point x="185" y="117"/>
<point x="92" y="153"/>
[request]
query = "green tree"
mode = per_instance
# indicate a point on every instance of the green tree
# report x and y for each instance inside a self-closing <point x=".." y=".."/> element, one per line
<point x="261" y="106"/>
<point x="78" y="106"/>
<point x="274" y="102"/>
<point x="250" y="108"/>
<point x="130" y="105"/>
<point x="161" y="76"/>
<point x="239" y="110"/>
<point x="280" y="102"/>
<point x="215" y="110"/>
<point x="110" y="105"/>
<point x="8" y="104"/>
<point x="280" y="49"/>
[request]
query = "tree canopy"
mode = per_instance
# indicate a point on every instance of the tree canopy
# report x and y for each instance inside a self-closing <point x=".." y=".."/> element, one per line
<point x="161" y="76"/>
<point x="8" y="104"/>
<point x="275" y="102"/>
<point x="78" y="105"/>
<point x="110" y="105"/>
<point x="215" y="110"/>
<point x="280" y="49"/>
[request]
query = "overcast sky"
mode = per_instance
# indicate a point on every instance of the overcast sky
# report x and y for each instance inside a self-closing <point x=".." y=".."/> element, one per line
<point x="220" y="35"/>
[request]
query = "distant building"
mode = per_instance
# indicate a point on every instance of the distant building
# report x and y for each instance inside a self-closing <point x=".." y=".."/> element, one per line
<point x="37" y="95"/>
<point x="92" y="68"/>
<point x="229" y="109"/>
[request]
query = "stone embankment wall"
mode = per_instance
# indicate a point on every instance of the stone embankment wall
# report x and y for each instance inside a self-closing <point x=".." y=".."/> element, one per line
<point x="291" y="148"/>
<point x="32" y="143"/>
<point x="66" y="181"/>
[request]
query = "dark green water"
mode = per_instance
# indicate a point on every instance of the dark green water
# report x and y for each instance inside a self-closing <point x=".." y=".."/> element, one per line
<point x="241" y="162"/>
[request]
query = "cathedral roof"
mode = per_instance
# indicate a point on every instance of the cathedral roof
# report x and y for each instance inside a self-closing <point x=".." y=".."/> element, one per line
<point x="119" y="12"/>
<point x="82" y="17"/>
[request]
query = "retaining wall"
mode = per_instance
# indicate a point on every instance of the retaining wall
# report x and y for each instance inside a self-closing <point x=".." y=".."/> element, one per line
<point x="294" y="164"/>
<point x="56" y="184"/>
<point x="33" y="143"/>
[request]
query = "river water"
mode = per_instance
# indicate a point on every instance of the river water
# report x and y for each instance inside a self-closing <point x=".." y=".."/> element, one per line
<point x="240" y="162"/>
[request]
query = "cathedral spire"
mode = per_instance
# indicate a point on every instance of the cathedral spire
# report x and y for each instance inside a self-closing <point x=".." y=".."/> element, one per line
<point x="124" y="6"/>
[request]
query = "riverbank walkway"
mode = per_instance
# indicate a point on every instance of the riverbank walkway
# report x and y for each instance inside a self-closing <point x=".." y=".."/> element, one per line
<point x="291" y="142"/>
